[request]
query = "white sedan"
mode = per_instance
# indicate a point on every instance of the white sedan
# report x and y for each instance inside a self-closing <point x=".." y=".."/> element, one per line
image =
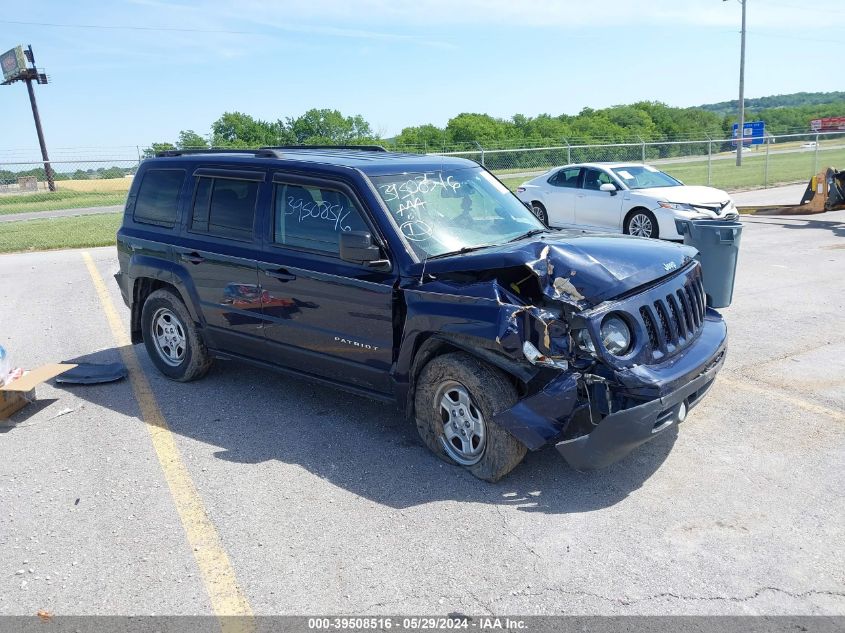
<point x="635" y="199"/>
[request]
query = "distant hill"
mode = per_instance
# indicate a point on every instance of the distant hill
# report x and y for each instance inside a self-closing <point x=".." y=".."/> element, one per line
<point x="796" y="99"/>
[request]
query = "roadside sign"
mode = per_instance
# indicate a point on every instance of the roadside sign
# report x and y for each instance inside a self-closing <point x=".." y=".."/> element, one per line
<point x="833" y="123"/>
<point x="753" y="133"/>
<point x="13" y="63"/>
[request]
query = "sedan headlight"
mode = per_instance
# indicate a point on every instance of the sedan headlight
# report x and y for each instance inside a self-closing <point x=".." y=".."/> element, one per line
<point x="676" y="206"/>
<point x="616" y="336"/>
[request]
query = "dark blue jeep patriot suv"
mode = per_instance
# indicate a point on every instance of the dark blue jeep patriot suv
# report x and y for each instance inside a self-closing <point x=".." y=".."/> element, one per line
<point x="420" y="280"/>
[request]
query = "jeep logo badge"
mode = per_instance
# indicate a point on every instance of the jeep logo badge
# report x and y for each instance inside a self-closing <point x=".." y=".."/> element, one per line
<point x="670" y="266"/>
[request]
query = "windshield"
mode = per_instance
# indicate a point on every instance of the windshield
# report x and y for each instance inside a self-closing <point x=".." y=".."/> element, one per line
<point x="440" y="212"/>
<point x="644" y="177"/>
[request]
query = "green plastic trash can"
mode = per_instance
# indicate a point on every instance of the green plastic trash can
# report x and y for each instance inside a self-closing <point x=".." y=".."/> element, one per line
<point x="717" y="242"/>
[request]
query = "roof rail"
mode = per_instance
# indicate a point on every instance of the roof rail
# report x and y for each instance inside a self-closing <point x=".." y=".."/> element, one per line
<point x="273" y="151"/>
<point x="362" y="148"/>
<point x="183" y="152"/>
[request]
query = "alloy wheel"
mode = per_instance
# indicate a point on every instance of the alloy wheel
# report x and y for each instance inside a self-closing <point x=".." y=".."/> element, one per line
<point x="640" y="225"/>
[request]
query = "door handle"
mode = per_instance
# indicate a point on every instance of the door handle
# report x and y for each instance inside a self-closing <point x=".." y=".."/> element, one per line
<point x="194" y="258"/>
<point x="281" y="274"/>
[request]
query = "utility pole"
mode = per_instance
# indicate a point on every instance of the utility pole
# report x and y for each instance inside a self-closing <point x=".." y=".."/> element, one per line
<point x="740" y="131"/>
<point x="48" y="169"/>
<point x="15" y="69"/>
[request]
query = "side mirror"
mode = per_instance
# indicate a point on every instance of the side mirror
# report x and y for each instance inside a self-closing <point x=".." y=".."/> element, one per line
<point x="608" y="186"/>
<point x="358" y="247"/>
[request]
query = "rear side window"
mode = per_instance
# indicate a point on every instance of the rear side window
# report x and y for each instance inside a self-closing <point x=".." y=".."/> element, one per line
<point x="566" y="178"/>
<point x="313" y="217"/>
<point x="158" y="197"/>
<point x="224" y="207"/>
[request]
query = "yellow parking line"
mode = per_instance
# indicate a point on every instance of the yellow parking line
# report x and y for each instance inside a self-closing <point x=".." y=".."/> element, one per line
<point x="227" y="598"/>
<point x="772" y="392"/>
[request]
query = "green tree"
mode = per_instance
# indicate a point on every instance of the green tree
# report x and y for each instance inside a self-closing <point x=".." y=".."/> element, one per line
<point x="155" y="148"/>
<point x="188" y="139"/>
<point x="470" y="127"/>
<point x="424" y="137"/>
<point x="112" y="172"/>
<point x="329" y="127"/>
<point x="543" y="127"/>
<point x="235" y="129"/>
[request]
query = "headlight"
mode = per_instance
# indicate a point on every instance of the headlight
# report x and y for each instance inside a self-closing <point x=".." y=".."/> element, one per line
<point x="616" y="336"/>
<point x="676" y="206"/>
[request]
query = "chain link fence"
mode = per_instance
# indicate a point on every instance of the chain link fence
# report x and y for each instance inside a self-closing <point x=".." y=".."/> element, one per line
<point x="778" y="160"/>
<point x="92" y="177"/>
<point x="74" y="178"/>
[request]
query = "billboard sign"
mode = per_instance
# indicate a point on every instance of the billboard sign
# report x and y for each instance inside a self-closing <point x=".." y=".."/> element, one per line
<point x="829" y="124"/>
<point x="753" y="133"/>
<point x="13" y="63"/>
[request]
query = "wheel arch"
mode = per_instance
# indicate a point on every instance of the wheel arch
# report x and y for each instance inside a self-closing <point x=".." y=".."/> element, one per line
<point x="151" y="273"/>
<point x="141" y="289"/>
<point x="428" y="347"/>
<point x="645" y="211"/>
<point x="632" y="211"/>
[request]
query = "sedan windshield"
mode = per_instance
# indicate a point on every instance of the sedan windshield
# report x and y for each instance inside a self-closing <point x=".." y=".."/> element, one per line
<point x="644" y="177"/>
<point x="450" y="211"/>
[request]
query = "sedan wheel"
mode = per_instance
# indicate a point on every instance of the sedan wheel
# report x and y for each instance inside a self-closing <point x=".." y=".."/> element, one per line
<point x="540" y="211"/>
<point x="642" y="224"/>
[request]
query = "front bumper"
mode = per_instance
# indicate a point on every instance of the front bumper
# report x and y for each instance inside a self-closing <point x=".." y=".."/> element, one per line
<point x="122" y="283"/>
<point x="669" y="231"/>
<point x="620" y="433"/>
<point x="667" y="390"/>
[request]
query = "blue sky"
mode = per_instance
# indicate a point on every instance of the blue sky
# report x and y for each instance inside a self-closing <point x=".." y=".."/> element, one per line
<point x="395" y="62"/>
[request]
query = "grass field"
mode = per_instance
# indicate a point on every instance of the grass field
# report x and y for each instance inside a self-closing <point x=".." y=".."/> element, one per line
<point x="49" y="201"/>
<point x="99" y="185"/>
<point x="73" y="232"/>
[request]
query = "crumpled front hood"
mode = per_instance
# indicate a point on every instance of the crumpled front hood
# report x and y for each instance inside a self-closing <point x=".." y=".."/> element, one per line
<point x="689" y="194"/>
<point x="578" y="268"/>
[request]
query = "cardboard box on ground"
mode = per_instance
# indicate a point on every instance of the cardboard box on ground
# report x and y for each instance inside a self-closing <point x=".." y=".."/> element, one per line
<point x="16" y="394"/>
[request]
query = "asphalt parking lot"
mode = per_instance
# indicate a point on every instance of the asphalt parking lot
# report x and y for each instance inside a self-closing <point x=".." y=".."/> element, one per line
<point x="256" y="493"/>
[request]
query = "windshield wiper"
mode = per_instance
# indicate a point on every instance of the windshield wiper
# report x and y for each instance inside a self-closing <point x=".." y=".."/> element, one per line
<point x="530" y="233"/>
<point x="461" y="251"/>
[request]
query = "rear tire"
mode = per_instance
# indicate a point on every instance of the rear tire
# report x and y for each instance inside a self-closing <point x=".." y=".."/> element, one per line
<point x="171" y="338"/>
<point x="539" y="210"/>
<point x="642" y="223"/>
<point x="456" y="399"/>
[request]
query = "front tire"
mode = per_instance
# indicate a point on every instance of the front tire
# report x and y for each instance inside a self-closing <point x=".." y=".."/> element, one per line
<point x="171" y="338"/>
<point x="456" y="399"/>
<point x="539" y="210"/>
<point x="642" y="223"/>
